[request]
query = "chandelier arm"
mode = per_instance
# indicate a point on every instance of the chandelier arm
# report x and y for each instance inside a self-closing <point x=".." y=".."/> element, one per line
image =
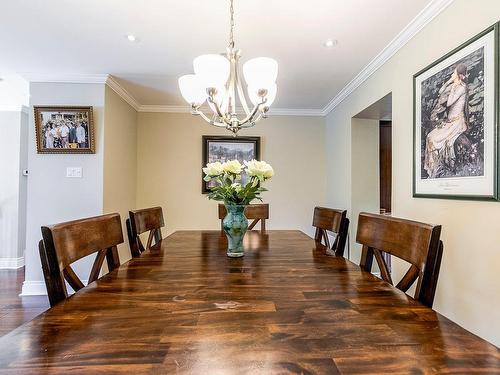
<point x="211" y="122"/>
<point x="252" y="123"/>
<point x="225" y="104"/>
<point x="251" y="116"/>
<point x="241" y="93"/>
<point x="217" y="109"/>
<point x="232" y="78"/>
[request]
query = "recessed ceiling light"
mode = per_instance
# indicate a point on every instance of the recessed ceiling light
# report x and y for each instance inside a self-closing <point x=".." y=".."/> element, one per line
<point x="330" y="43"/>
<point x="131" y="38"/>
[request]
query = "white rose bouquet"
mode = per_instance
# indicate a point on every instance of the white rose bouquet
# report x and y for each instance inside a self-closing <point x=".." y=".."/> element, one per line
<point x="227" y="177"/>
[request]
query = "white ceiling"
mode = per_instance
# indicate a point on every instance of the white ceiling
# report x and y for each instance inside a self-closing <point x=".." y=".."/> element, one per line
<point x="89" y="37"/>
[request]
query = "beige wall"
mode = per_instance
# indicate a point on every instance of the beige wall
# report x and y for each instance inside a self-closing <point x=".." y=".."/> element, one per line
<point x="169" y="169"/>
<point x="469" y="283"/>
<point x="365" y="177"/>
<point x="120" y="160"/>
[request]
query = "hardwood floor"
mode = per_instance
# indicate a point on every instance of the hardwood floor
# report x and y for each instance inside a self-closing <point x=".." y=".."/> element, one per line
<point x="15" y="310"/>
<point x="185" y="307"/>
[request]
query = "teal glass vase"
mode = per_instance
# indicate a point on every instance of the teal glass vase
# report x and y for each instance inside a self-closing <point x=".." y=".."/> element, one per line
<point x="235" y="225"/>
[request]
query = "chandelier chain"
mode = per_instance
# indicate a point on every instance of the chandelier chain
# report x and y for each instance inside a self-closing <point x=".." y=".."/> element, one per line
<point x="231" y="34"/>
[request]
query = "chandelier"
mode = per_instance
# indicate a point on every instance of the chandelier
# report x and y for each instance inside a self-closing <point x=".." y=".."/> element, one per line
<point x="217" y="80"/>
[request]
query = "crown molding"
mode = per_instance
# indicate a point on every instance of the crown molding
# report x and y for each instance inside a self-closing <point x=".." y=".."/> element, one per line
<point x="273" y="111"/>
<point x="124" y="94"/>
<point x="66" y="78"/>
<point x="432" y="9"/>
<point x="295" y="112"/>
<point x="164" y="108"/>
<point x="14" y="108"/>
<point x="427" y="14"/>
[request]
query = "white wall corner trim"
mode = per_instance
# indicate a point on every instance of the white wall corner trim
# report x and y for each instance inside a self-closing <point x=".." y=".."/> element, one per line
<point x="427" y="14"/>
<point x="11" y="263"/>
<point x="124" y="94"/>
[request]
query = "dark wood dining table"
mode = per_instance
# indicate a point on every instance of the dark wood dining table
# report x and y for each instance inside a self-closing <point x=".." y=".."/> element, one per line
<point x="285" y="307"/>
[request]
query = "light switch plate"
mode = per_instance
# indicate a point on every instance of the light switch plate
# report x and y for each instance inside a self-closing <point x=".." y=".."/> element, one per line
<point x="74" y="172"/>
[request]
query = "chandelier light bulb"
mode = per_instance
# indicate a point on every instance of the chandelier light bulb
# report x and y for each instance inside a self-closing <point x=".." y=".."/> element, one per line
<point x="212" y="69"/>
<point x="253" y="94"/>
<point x="260" y="72"/>
<point x="192" y="89"/>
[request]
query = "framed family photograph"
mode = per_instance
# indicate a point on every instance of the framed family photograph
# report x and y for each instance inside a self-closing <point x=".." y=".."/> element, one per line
<point x="455" y="130"/>
<point x="64" y="130"/>
<point x="221" y="149"/>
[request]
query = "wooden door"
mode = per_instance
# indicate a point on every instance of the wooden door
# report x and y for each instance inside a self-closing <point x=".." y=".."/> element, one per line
<point x="385" y="166"/>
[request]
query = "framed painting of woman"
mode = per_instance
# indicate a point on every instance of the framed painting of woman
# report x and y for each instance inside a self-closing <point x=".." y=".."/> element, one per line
<point x="455" y="137"/>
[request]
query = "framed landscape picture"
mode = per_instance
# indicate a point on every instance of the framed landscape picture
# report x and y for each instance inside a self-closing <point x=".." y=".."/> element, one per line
<point x="221" y="149"/>
<point x="64" y="130"/>
<point x="455" y="134"/>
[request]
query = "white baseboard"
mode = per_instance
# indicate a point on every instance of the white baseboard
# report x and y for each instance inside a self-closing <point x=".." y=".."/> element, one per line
<point x="11" y="263"/>
<point x="33" y="288"/>
<point x="37" y="288"/>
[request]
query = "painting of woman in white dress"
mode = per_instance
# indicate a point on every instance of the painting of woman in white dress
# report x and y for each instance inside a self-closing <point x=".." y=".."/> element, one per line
<point x="452" y="120"/>
<point x="440" y="142"/>
<point x="455" y="125"/>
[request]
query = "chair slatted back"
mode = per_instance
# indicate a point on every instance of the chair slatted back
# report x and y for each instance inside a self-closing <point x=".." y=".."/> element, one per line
<point x="65" y="243"/>
<point x="331" y="220"/>
<point x="141" y="221"/>
<point x="417" y="243"/>
<point x="255" y="212"/>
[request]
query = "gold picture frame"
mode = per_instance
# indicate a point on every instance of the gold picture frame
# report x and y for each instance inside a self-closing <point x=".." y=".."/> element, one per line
<point x="64" y="129"/>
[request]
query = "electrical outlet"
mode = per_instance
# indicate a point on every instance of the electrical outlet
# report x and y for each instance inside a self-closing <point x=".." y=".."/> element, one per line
<point x="74" y="172"/>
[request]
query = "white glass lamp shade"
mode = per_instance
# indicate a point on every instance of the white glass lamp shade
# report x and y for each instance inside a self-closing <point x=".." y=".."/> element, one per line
<point x="253" y="94"/>
<point x="192" y="89"/>
<point x="260" y="72"/>
<point x="213" y="70"/>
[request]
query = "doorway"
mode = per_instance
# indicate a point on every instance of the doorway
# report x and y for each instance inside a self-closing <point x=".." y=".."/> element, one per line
<point x="14" y="121"/>
<point x="371" y="165"/>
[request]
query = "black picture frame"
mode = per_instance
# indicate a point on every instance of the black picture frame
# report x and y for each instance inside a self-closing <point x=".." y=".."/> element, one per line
<point x="207" y="139"/>
<point x="495" y="196"/>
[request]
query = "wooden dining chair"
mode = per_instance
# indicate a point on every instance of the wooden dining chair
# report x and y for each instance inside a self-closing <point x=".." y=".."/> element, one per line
<point x="141" y="221"/>
<point x="255" y="212"/>
<point x="65" y="243"/>
<point x="331" y="220"/>
<point x="416" y="243"/>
